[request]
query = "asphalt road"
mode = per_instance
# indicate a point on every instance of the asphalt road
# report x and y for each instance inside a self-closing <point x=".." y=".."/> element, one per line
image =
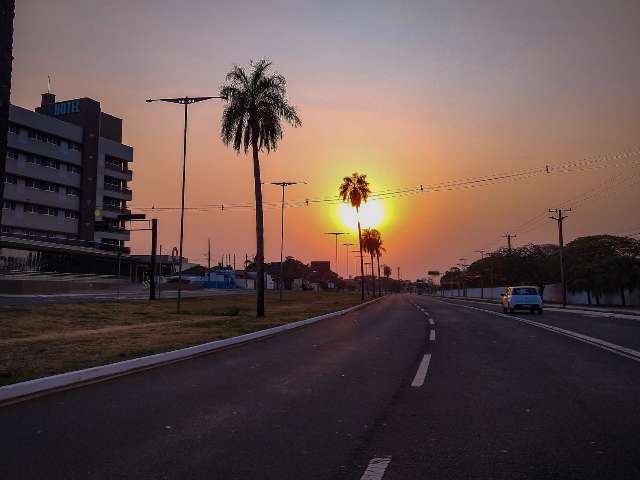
<point x="353" y="397"/>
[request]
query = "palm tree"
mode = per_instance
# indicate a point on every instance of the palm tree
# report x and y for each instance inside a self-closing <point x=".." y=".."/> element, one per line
<point x="370" y="241"/>
<point x="355" y="189"/>
<point x="379" y="251"/>
<point x="256" y="103"/>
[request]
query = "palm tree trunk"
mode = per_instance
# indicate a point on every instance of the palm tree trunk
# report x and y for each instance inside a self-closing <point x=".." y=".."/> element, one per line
<point x="259" y="232"/>
<point x="373" y="278"/>
<point x="379" y="279"/>
<point x="361" y="258"/>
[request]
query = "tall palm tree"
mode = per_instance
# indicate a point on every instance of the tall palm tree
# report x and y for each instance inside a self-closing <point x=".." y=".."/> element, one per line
<point x="256" y="103"/>
<point x="379" y="251"/>
<point x="355" y="189"/>
<point x="372" y="243"/>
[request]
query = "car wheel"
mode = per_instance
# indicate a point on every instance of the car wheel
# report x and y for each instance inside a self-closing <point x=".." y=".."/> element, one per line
<point x="540" y="311"/>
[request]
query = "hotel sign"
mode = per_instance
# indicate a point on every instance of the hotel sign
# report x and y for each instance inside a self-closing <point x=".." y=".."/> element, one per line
<point x="63" y="108"/>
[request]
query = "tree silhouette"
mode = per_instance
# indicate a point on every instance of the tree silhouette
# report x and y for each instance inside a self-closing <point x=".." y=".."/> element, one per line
<point x="355" y="190"/>
<point x="256" y="103"/>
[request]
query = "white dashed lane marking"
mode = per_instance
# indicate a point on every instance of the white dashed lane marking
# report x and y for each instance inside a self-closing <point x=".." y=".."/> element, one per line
<point x="432" y="322"/>
<point x="432" y="336"/>
<point x="421" y="374"/>
<point x="376" y="468"/>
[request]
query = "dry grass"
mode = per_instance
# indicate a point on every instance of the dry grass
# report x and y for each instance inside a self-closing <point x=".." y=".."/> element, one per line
<point x="41" y="340"/>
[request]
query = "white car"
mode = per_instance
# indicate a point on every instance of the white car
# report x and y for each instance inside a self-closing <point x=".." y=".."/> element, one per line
<point x="521" y="298"/>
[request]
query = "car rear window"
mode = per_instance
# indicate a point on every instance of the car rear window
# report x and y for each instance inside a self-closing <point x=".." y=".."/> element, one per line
<point x="525" y="291"/>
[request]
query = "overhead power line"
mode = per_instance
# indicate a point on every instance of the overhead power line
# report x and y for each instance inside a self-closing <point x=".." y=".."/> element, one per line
<point x="604" y="161"/>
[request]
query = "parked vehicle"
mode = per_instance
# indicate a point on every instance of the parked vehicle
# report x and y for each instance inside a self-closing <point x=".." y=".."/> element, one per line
<point x="521" y="298"/>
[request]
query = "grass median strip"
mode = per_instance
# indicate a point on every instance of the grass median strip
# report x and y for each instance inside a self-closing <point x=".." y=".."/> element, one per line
<point x="42" y="340"/>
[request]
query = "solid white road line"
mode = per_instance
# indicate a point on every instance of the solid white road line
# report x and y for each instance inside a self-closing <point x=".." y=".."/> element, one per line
<point x="596" y="342"/>
<point x="421" y="374"/>
<point x="432" y="336"/>
<point x="376" y="468"/>
<point x="432" y="322"/>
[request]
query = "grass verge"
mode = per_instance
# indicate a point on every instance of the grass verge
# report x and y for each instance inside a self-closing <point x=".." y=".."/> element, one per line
<point x="41" y="340"/>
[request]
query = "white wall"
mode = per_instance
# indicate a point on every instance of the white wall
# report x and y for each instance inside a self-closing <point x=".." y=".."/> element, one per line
<point x="552" y="293"/>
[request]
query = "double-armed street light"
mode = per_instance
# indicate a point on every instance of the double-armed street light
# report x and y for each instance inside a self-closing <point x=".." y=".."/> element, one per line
<point x="186" y="101"/>
<point x="336" y="234"/>
<point x="347" y="260"/>
<point x="283" y="185"/>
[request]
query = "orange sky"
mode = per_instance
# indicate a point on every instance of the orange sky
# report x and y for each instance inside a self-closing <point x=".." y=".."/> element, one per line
<point x="427" y="92"/>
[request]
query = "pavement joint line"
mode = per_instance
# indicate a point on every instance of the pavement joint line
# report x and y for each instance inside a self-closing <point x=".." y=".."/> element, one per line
<point x="421" y="374"/>
<point x="596" y="342"/>
<point x="376" y="468"/>
<point x="23" y="391"/>
<point x="432" y="335"/>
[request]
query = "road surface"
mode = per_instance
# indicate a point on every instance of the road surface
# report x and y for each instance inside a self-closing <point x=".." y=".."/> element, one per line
<point x="389" y="391"/>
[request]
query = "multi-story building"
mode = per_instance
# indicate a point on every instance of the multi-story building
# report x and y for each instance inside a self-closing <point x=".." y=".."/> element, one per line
<point x="66" y="168"/>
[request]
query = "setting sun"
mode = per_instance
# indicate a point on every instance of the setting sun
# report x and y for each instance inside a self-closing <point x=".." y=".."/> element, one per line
<point x="371" y="215"/>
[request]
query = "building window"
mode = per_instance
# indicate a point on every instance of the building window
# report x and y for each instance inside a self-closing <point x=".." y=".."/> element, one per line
<point x="74" y="169"/>
<point x="40" y="209"/>
<point x="9" y="205"/>
<point x="43" y="161"/>
<point x="74" y="146"/>
<point x="71" y="214"/>
<point x="43" y="137"/>
<point x="40" y="185"/>
<point x="12" y="179"/>
<point x="73" y="191"/>
<point x="12" y="153"/>
<point x="13" y="128"/>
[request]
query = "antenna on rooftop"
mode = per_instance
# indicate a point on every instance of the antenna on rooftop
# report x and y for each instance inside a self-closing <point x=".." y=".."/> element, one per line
<point x="48" y="83"/>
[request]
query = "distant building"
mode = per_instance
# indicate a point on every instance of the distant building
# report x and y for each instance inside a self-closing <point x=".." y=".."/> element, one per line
<point x="66" y="167"/>
<point x="320" y="266"/>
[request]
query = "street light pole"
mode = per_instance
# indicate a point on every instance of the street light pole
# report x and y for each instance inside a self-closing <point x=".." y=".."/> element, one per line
<point x="283" y="185"/>
<point x="186" y="101"/>
<point x="347" y="259"/>
<point x="336" y="234"/>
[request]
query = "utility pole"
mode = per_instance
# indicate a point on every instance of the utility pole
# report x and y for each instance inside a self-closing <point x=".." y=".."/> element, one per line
<point x="463" y="265"/>
<point x="283" y="185"/>
<point x="559" y="218"/>
<point x="154" y="248"/>
<point x="336" y="234"/>
<point x="509" y="236"/>
<point x="347" y="260"/>
<point x="209" y="261"/>
<point x="481" y="252"/>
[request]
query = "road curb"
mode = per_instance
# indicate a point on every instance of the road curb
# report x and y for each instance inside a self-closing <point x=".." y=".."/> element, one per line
<point x="40" y="386"/>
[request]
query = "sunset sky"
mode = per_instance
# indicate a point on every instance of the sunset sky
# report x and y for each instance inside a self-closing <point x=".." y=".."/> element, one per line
<point x="409" y="93"/>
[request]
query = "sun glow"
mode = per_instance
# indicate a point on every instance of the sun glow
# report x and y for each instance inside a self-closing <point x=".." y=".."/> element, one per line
<point x="371" y="215"/>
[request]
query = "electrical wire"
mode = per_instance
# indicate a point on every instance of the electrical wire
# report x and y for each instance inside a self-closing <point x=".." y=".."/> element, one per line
<point x="604" y="161"/>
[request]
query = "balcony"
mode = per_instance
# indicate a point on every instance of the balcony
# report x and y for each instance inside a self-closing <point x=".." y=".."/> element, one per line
<point x="124" y="193"/>
<point x="116" y="209"/>
<point x="120" y="171"/>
